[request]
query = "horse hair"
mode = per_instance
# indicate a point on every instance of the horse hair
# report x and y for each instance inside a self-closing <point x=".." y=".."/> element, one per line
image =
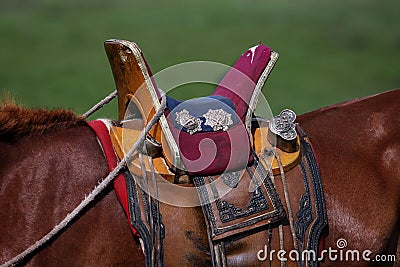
<point x="17" y="121"/>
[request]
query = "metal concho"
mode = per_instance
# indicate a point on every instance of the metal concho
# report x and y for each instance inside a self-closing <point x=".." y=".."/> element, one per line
<point x="218" y="119"/>
<point x="190" y="122"/>
<point x="283" y="125"/>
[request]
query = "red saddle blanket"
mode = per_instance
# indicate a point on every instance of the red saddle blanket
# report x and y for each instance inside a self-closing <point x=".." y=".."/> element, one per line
<point x="103" y="135"/>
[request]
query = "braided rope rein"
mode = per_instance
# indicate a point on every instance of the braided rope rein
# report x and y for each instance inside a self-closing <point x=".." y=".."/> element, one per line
<point x="101" y="104"/>
<point x="96" y="191"/>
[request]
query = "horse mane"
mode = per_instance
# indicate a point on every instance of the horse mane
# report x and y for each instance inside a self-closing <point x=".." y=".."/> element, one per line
<point x="17" y="121"/>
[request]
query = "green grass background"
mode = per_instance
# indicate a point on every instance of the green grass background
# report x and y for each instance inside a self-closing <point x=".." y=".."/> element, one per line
<point x="52" y="51"/>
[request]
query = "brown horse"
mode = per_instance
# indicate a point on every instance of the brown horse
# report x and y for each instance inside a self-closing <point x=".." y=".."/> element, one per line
<point x="50" y="160"/>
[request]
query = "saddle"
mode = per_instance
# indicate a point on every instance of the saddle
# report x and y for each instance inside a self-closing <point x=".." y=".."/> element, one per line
<point x="216" y="149"/>
<point x="225" y="118"/>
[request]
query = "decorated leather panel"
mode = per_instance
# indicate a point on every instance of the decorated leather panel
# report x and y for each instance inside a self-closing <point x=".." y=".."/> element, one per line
<point x="236" y="202"/>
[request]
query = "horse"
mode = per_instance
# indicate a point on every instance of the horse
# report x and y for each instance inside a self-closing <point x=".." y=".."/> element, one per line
<point x="51" y="159"/>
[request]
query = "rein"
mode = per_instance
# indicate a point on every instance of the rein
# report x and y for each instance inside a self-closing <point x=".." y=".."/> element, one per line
<point x="101" y="104"/>
<point x="98" y="189"/>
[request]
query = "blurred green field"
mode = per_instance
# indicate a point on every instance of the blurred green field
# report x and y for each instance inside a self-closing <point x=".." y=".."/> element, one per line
<point x="52" y="51"/>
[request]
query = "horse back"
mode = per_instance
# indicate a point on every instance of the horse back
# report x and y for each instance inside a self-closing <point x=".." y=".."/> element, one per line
<point x="357" y="144"/>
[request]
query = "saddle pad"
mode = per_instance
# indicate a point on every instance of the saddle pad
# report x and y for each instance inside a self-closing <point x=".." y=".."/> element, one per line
<point x="311" y="217"/>
<point x="237" y="202"/>
<point x="102" y="133"/>
<point x="145" y="216"/>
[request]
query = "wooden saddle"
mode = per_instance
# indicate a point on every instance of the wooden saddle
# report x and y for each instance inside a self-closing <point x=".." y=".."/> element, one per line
<point x="175" y="141"/>
<point x="203" y="182"/>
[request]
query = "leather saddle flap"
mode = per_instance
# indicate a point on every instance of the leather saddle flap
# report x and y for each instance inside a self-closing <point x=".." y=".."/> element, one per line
<point x="237" y="202"/>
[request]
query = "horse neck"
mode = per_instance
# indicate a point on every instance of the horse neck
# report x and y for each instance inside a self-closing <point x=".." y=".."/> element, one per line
<point x="44" y="178"/>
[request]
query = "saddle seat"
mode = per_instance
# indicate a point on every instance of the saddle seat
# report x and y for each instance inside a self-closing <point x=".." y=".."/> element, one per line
<point x="198" y="137"/>
<point x="124" y="138"/>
